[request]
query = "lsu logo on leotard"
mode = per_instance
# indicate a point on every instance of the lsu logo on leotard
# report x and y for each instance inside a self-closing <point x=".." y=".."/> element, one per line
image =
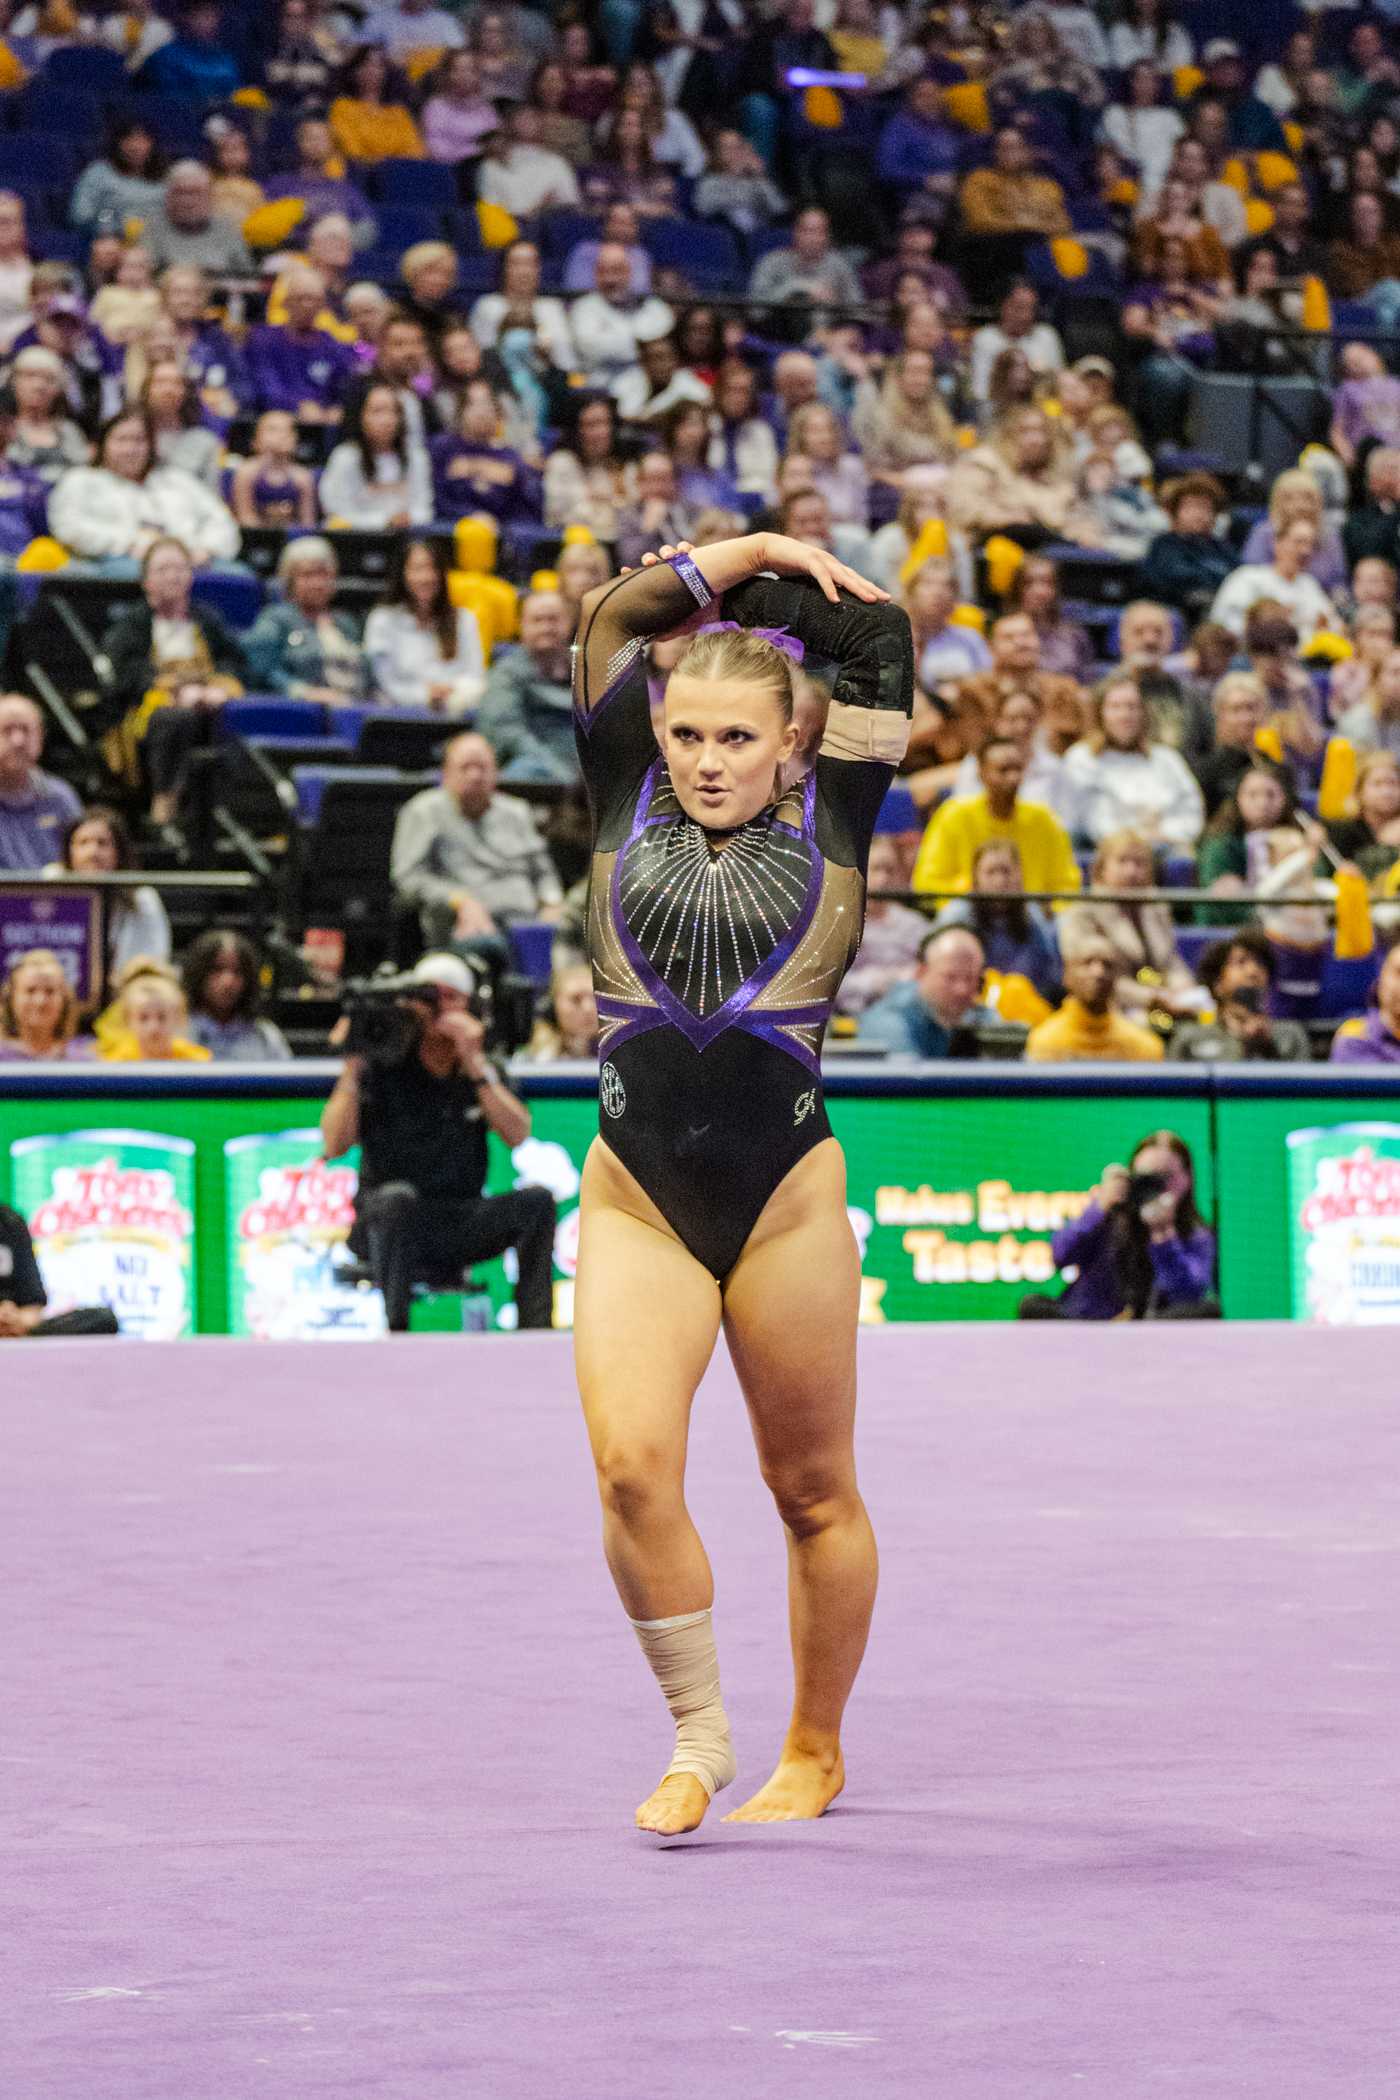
<point x="804" y="1106"/>
<point x="611" y="1092"/>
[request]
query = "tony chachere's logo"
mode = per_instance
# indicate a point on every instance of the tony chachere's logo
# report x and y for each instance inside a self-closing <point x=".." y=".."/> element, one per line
<point x="804" y="1106"/>
<point x="611" y="1092"/>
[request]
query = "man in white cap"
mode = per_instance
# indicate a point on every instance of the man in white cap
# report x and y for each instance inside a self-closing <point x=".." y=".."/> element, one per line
<point x="1252" y="126"/>
<point x="422" y="1122"/>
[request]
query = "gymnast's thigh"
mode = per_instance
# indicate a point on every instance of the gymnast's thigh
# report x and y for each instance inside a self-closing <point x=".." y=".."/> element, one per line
<point x="791" y="1304"/>
<point x="646" y="1319"/>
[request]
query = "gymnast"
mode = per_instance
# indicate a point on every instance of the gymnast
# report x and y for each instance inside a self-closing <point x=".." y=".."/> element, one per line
<point x="724" y="910"/>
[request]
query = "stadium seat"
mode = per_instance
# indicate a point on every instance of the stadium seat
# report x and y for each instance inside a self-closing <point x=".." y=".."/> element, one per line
<point x="401" y="226"/>
<point x="531" y="947"/>
<point x="86" y="66"/>
<point x="339" y="863"/>
<point x="1346" y="985"/>
<point x="237" y="599"/>
<point x="38" y="156"/>
<point x="707" y="253"/>
<point x="425" y="185"/>
<point x="1192" y="943"/>
<point x="262" y="715"/>
<point x="77" y="114"/>
<point x="898" y="812"/>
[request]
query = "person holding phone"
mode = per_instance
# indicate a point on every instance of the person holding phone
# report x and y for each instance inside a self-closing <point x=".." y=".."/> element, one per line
<point x="1139" y="1249"/>
<point x="1238" y="972"/>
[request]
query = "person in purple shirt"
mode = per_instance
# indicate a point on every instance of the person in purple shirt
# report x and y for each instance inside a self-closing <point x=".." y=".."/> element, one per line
<point x="299" y="366"/>
<point x="1366" y="404"/>
<point x="1376" y="1040"/>
<point x="23" y="493"/>
<point x="35" y="808"/>
<point x="918" y="152"/>
<point x="1140" y="1247"/>
<point x="474" y="473"/>
<point x="318" y="190"/>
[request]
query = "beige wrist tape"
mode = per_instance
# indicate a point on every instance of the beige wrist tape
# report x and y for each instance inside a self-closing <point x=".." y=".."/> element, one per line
<point x="684" y="1660"/>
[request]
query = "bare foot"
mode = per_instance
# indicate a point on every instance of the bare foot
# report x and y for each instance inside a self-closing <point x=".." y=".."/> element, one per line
<point x="679" y="1803"/>
<point x="801" y="1788"/>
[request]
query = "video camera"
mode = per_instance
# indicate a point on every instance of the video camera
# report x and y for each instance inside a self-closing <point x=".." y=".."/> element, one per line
<point x="389" y="1012"/>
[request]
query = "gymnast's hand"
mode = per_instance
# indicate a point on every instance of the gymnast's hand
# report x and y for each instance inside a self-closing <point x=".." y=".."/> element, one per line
<point x="795" y="558"/>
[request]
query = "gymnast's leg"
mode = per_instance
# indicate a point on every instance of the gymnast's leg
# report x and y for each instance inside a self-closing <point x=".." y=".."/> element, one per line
<point x="646" y="1318"/>
<point x="790" y="1310"/>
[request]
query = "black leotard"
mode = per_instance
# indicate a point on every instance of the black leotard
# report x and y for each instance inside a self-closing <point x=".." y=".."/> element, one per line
<point x="715" y="970"/>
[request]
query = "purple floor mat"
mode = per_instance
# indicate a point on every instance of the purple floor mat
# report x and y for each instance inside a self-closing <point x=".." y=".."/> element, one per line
<point x="322" y="1733"/>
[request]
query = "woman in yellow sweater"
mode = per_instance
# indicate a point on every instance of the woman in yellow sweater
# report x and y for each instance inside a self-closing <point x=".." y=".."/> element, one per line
<point x="370" y="118"/>
<point x="143" y="1027"/>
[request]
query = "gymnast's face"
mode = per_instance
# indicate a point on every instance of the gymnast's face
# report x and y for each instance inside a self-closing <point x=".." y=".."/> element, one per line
<point x="725" y="741"/>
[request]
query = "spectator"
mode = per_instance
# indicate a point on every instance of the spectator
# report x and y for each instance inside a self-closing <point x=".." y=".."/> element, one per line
<point x="469" y="860"/>
<point x="627" y="172"/>
<point x="124" y="182"/>
<point x="1121" y="781"/>
<point x="222" y="985"/>
<point x="1366" y="406"/>
<point x="1016" y="937"/>
<point x="35" y="807"/>
<point x="519" y="304"/>
<point x="621" y="228"/>
<point x="568" y="1027"/>
<point x="1087" y="1025"/>
<point x="377" y="479"/>
<point x="738" y="188"/>
<point x="320" y="182"/>
<point x="300" y="647"/>
<point x="39" y="1018"/>
<point x="1041" y="61"/>
<point x="474" y="473"/>
<point x="891" y="553"/>
<point x="148" y="1017"/>
<point x="1018" y="326"/>
<point x="1016" y="668"/>
<point x="1009" y="197"/>
<point x="659" y="386"/>
<point x="892" y="935"/>
<point x="22" y="1306"/>
<point x="210" y="356"/>
<point x="412" y="30"/>
<point x="193" y="64"/>
<point x="185" y="228"/>
<point x="1147" y="31"/>
<point x="1376" y="1039"/>
<point x="1018" y="718"/>
<point x="1140" y="1249"/>
<point x="582" y="567"/>
<point x="499" y="43"/>
<point x="1374" y="724"/>
<point x="237" y="192"/>
<point x="960" y="827"/>
<point x="560" y="129"/>
<point x="811" y="275"/>
<point x="585" y="482"/>
<point x="270" y="488"/>
<point x="523" y="177"/>
<point x="1372" y="530"/>
<point x="1180" y="713"/>
<point x="937" y="1013"/>
<point x="97" y="842"/>
<point x="1295" y="495"/>
<point x="300" y="366"/>
<point x="1151" y="973"/>
<point x="944" y="648"/>
<point x="1144" y="129"/>
<point x="1285" y="580"/>
<point x="658" y="518"/>
<point x="1186" y="565"/>
<point x="179" y="437"/>
<point x="1238" y="971"/>
<point x="128" y="308"/>
<point x="610" y="323"/>
<point x="369" y="118"/>
<point x="1373" y="636"/>
<point x="1062" y="643"/>
<point x="1291" y="240"/>
<point x="173" y="666"/>
<point x="1236" y="852"/>
<point x="919" y="150"/>
<point x="1019" y="480"/>
<point x="526" y="711"/>
<point x="301" y="69"/>
<point x="45" y="442"/>
<point x="113" y="512"/>
<point x="906" y="425"/>
<point x="1371" y="838"/>
<point x="16" y="269"/>
<point x="1251" y="125"/>
<point x="742" y="445"/>
<point x="1367" y="254"/>
<point x="424" y="651"/>
<point x="404" y="365"/>
<point x="430" y="296"/>
<point x="838" y="473"/>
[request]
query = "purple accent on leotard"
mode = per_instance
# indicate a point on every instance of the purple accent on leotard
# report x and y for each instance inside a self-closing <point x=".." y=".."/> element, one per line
<point x="699" y="590"/>
<point x="698" y="1030"/>
<point x="770" y="1027"/>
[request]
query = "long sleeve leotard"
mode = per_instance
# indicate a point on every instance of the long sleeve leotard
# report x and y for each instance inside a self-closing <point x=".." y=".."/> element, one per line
<point x="715" y="967"/>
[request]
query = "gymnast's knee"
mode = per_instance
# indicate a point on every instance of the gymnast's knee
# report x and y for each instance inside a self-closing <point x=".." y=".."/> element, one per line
<point x="810" y="1499"/>
<point x="394" y="1200"/>
<point x="636" y="1484"/>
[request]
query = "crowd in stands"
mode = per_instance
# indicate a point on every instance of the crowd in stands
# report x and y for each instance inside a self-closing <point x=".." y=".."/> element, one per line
<point x="344" y="348"/>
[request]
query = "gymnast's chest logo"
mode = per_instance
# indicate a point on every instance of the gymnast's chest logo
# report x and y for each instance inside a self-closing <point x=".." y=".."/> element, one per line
<point x="611" y="1092"/>
<point x="804" y="1106"/>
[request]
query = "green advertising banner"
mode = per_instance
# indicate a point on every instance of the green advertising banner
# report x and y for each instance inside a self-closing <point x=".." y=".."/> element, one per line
<point x="1344" y="1224"/>
<point x="112" y="1216"/>
<point x="288" y="1217"/>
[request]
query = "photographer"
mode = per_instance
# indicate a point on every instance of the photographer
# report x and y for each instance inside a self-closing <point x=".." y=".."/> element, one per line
<point x="1140" y="1247"/>
<point x="22" y="1294"/>
<point x="420" y="1106"/>
<point x="1238" y="972"/>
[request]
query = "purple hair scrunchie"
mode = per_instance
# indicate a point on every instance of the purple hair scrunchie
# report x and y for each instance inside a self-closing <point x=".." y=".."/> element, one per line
<point x="778" y="636"/>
